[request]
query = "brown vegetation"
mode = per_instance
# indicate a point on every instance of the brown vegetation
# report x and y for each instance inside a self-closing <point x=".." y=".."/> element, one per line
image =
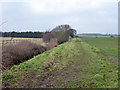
<point x="48" y="36"/>
<point x="53" y="43"/>
<point x="8" y="41"/>
<point x="22" y="51"/>
<point x="61" y="33"/>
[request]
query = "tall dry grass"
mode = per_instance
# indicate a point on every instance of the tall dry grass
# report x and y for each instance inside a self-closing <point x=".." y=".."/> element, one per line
<point x="20" y="52"/>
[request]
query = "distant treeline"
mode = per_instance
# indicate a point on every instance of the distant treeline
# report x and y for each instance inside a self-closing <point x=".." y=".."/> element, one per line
<point x="23" y="34"/>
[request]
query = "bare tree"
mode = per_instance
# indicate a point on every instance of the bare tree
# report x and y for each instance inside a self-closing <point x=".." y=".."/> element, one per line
<point x="62" y="33"/>
<point x="48" y="36"/>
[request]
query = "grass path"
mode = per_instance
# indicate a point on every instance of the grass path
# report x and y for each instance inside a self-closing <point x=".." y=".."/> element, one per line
<point x="73" y="64"/>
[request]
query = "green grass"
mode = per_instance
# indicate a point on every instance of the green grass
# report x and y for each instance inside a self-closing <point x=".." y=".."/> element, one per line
<point x="107" y="45"/>
<point x="107" y="48"/>
<point x="74" y="64"/>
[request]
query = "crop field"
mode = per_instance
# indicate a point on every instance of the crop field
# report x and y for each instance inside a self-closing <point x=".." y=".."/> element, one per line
<point x="9" y="40"/>
<point x="78" y="63"/>
<point x="107" y="45"/>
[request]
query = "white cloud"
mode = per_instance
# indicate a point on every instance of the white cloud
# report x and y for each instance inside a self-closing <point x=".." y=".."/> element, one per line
<point x="66" y="6"/>
<point x="0" y="14"/>
<point x="98" y="15"/>
<point x="14" y="0"/>
<point x="63" y="6"/>
<point x="103" y="13"/>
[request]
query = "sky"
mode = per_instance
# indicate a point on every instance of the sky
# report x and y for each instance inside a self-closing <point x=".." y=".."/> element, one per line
<point x="86" y="16"/>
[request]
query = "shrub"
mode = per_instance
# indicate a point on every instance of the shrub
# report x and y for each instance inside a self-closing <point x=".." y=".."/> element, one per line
<point x="62" y="33"/>
<point x="48" y="36"/>
<point x="20" y="52"/>
<point x="53" y="43"/>
<point x="62" y="36"/>
<point x="50" y="40"/>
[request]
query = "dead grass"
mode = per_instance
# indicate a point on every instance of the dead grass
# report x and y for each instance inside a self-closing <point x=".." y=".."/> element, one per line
<point x="9" y="40"/>
<point x="20" y="52"/>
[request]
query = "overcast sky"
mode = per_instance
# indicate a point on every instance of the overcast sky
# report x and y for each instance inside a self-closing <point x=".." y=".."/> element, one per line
<point x="98" y="16"/>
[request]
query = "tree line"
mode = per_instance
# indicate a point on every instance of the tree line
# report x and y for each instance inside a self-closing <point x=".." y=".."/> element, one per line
<point x="61" y="32"/>
<point x="23" y="34"/>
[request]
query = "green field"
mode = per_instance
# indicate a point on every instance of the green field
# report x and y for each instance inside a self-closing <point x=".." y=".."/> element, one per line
<point x="107" y="45"/>
<point x="78" y="63"/>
